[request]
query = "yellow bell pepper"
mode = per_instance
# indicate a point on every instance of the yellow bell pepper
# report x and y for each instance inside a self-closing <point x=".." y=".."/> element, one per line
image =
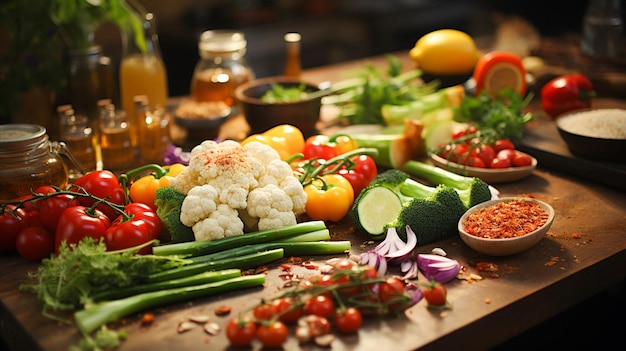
<point x="286" y="139"/>
<point x="329" y="198"/>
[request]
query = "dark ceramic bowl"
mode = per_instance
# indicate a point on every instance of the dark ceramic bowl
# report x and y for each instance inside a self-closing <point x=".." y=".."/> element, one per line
<point x="591" y="147"/>
<point x="261" y="116"/>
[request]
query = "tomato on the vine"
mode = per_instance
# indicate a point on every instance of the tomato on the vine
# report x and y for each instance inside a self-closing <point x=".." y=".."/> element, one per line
<point x="288" y="309"/>
<point x="34" y="243"/>
<point x="500" y="163"/>
<point x="272" y="335"/>
<point x="51" y="208"/>
<point x="435" y="294"/>
<point x="363" y="172"/>
<point x="485" y="152"/>
<point x="503" y="144"/>
<point x="349" y="320"/>
<point x="12" y="221"/>
<point x="240" y="332"/>
<point x="264" y="311"/>
<point x="320" y="305"/>
<point x="391" y="292"/>
<point x="521" y="160"/>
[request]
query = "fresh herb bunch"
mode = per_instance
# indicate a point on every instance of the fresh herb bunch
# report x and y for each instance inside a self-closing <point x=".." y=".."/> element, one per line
<point x="499" y="117"/>
<point x="67" y="281"/>
<point x="361" y="99"/>
<point x="280" y="93"/>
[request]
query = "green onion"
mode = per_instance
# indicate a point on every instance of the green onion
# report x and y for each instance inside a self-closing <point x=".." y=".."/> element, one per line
<point x="244" y="261"/>
<point x="197" y="248"/>
<point x="94" y="316"/>
<point x="197" y="279"/>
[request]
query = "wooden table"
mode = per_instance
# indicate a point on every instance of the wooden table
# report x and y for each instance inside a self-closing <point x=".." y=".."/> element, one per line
<point x="583" y="254"/>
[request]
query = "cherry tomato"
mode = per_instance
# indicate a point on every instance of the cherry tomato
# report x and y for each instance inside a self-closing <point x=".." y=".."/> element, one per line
<point x="12" y="221"/>
<point x="51" y="209"/>
<point x="507" y="154"/>
<point x="391" y="292"/>
<point x="475" y="161"/>
<point x="33" y="218"/>
<point x="361" y="174"/>
<point x="34" y="243"/>
<point x="458" y="153"/>
<point x="500" y="163"/>
<point x="435" y="294"/>
<point x="348" y="321"/>
<point x="522" y="160"/>
<point x="503" y="144"/>
<point x="288" y="309"/>
<point x="143" y="226"/>
<point x="264" y="311"/>
<point x="273" y="335"/>
<point x="486" y="153"/>
<point x="240" y="332"/>
<point x="320" y="305"/>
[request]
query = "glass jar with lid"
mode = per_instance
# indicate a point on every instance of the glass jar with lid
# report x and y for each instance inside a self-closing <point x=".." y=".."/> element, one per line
<point x="29" y="160"/>
<point x="221" y="68"/>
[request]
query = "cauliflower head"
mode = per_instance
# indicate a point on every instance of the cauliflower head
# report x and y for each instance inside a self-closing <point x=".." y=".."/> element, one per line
<point x="224" y="180"/>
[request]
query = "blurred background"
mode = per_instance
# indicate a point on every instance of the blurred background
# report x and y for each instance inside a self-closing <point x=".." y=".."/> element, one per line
<point x="336" y="30"/>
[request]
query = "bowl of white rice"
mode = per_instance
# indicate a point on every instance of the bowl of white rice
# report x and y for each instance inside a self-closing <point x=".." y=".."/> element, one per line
<point x="595" y="133"/>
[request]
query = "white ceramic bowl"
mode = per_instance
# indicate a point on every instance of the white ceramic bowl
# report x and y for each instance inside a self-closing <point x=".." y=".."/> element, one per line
<point x="505" y="246"/>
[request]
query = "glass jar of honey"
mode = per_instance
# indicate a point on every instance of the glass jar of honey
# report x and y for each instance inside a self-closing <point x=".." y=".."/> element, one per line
<point x="29" y="160"/>
<point x="221" y="68"/>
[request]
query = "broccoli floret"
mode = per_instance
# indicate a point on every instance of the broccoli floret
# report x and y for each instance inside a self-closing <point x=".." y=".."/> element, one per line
<point x="169" y="201"/>
<point x="472" y="190"/>
<point x="432" y="212"/>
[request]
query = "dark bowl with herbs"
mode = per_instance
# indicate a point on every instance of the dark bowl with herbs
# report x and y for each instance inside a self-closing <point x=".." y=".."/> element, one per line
<point x="269" y="102"/>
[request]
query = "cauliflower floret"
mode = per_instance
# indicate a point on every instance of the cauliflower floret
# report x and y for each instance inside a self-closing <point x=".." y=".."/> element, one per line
<point x="222" y="223"/>
<point x="293" y="188"/>
<point x="275" y="172"/>
<point x="263" y="152"/>
<point x="199" y="203"/>
<point x="272" y="206"/>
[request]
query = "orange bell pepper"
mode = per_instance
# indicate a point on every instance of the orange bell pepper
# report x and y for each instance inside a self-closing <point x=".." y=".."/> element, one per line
<point x="144" y="189"/>
<point x="286" y="139"/>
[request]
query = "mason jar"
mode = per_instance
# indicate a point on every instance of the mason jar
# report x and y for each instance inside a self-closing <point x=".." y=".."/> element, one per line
<point x="29" y="160"/>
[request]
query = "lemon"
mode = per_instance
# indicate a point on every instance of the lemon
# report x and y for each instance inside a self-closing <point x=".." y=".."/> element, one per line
<point x="446" y="52"/>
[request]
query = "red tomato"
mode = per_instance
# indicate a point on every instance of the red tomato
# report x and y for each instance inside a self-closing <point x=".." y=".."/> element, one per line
<point x="522" y="160"/>
<point x="391" y="293"/>
<point x="566" y="93"/>
<point x="507" y="154"/>
<point x="78" y="222"/>
<point x="348" y="321"/>
<point x="500" y="163"/>
<point x="264" y="311"/>
<point x="503" y="144"/>
<point x="12" y="221"/>
<point x="288" y="309"/>
<point x="361" y="174"/>
<point x="435" y="294"/>
<point x="143" y="226"/>
<point x="51" y="209"/>
<point x="458" y="153"/>
<point x="102" y="184"/>
<point x="486" y="153"/>
<point x="320" y="305"/>
<point x="34" y="243"/>
<point x="273" y="335"/>
<point x="33" y="218"/>
<point x="475" y="162"/>
<point x="240" y="332"/>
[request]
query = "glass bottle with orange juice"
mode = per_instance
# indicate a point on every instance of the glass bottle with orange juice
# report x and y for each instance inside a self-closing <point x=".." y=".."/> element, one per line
<point x="142" y="72"/>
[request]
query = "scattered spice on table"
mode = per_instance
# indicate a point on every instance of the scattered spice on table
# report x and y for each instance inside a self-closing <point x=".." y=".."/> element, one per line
<point x="506" y="219"/>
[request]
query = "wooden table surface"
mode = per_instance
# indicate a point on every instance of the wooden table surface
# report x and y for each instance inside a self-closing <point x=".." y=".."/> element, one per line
<point x="561" y="271"/>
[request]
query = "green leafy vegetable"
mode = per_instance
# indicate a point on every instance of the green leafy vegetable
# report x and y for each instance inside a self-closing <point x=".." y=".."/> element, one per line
<point x="280" y="93"/>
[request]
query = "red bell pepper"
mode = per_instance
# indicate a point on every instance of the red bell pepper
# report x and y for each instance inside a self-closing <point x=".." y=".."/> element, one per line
<point x="78" y="222"/>
<point x="324" y="147"/>
<point x="103" y="184"/>
<point x="138" y="225"/>
<point x="566" y="93"/>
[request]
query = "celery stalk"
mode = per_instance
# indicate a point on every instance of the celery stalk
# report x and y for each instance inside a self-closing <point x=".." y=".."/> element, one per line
<point x="94" y="316"/>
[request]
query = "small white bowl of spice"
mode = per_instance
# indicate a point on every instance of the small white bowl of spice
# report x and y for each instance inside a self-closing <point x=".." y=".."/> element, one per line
<point x="505" y="226"/>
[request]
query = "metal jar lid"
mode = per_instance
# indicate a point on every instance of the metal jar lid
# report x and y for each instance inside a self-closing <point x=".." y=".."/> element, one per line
<point x="16" y="137"/>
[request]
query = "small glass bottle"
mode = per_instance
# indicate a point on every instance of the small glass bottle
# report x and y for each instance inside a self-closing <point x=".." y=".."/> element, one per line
<point x="293" y="66"/>
<point x="603" y="29"/>
<point x="142" y="72"/>
<point x="29" y="160"/>
<point x="154" y="131"/>
<point x="115" y="143"/>
<point x="222" y="66"/>
<point x="75" y="130"/>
